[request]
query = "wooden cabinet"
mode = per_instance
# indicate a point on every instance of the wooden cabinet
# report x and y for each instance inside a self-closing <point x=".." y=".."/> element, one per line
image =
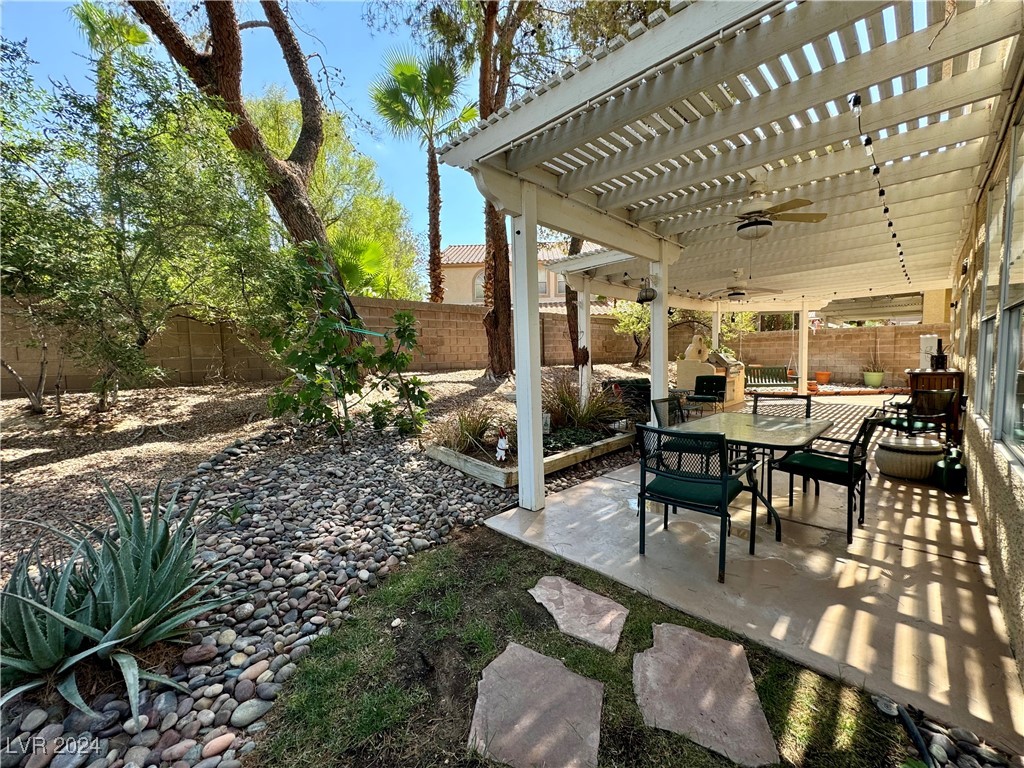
<point x="949" y="378"/>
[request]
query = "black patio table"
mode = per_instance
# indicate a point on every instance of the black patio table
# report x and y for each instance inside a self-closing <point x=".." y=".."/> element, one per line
<point x="757" y="433"/>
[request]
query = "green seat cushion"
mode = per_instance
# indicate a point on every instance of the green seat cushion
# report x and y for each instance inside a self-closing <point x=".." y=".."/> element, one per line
<point x="703" y="494"/>
<point x="904" y="425"/>
<point x="825" y="468"/>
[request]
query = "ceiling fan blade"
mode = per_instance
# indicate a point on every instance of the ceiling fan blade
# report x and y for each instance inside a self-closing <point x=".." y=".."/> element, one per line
<point x="807" y="218"/>
<point x="788" y="205"/>
<point x="762" y="291"/>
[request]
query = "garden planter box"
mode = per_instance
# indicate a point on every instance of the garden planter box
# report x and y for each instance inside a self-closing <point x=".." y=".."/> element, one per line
<point x="507" y="478"/>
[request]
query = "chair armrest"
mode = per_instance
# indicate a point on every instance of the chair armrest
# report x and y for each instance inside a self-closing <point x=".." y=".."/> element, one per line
<point x="740" y="471"/>
<point x="838" y="440"/>
<point x="817" y="452"/>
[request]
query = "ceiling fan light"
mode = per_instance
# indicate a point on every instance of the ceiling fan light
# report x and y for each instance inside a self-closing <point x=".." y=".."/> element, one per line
<point x="754" y="229"/>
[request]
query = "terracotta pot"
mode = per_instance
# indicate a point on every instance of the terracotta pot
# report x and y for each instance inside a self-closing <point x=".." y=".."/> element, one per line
<point x="823" y="377"/>
<point x="812" y="386"/>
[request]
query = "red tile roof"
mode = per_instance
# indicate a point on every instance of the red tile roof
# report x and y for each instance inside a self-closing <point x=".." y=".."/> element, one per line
<point x="474" y="254"/>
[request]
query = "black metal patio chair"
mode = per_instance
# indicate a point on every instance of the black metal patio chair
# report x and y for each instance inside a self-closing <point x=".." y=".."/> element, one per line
<point x="927" y="410"/>
<point x="845" y="465"/>
<point x="709" y="390"/>
<point x="692" y="470"/>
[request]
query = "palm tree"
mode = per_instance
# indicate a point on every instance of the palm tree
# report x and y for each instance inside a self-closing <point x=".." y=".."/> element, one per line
<point x="417" y="97"/>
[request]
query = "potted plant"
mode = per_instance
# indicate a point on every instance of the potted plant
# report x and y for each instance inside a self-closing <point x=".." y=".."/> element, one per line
<point x="873" y="371"/>
<point x="822" y="377"/>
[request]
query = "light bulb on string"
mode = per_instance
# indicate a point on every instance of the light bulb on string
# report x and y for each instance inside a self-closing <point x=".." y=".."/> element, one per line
<point x="855" y="105"/>
<point x="868" y="146"/>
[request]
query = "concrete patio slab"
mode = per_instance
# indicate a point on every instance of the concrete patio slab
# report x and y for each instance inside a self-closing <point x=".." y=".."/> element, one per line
<point x="908" y="610"/>
<point x="580" y="613"/>
<point x="701" y="687"/>
<point x="531" y="711"/>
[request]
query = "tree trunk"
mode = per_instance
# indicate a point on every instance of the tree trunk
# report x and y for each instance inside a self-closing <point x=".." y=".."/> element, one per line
<point x="434" y="230"/>
<point x="35" y="404"/>
<point x="498" y="320"/>
<point x="579" y="356"/>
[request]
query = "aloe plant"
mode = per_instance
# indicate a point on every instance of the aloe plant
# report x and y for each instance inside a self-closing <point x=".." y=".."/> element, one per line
<point x="138" y="586"/>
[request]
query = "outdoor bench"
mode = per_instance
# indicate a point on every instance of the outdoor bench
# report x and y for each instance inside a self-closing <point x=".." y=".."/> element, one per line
<point x="767" y="376"/>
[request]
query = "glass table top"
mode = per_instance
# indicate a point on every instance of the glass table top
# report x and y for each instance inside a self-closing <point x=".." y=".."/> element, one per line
<point x="761" y="431"/>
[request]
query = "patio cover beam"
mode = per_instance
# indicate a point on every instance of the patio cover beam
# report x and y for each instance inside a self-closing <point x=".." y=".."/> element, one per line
<point x="567" y="214"/>
<point x="689" y="29"/>
<point x="899" y="58"/>
<point x="584" y="326"/>
<point x="658" y="347"/>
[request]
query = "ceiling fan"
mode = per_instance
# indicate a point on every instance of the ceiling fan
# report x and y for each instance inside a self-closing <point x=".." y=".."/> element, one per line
<point x="755" y="216"/>
<point x="739" y="288"/>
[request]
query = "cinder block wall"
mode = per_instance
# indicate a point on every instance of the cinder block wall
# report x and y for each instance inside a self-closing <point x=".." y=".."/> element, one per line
<point x="452" y="338"/>
<point x="843" y="350"/>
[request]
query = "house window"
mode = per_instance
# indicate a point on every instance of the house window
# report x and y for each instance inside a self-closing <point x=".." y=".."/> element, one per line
<point x="1013" y="298"/>
<point x="542" y="281"/>
<point x="992" y="275"/>
<point x="964" y="315"/>
<point x="560" y="285"/>
<point x="478" y="286"/>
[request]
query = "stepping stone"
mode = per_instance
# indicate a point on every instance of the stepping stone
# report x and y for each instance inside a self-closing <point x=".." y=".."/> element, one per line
<point x="532" y="711"/>
<point x="580" y="612"/>
<point x="701" y="687"/>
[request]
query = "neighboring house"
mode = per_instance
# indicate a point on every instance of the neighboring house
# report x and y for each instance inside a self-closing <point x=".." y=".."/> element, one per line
<point x="463" y="268"/>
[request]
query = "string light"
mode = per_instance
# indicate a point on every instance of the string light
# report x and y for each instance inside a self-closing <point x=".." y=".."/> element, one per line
<point x="856" y="109"/>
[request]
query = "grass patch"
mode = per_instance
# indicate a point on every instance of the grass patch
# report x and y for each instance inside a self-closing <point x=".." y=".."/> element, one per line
<point x="370" y="695"/>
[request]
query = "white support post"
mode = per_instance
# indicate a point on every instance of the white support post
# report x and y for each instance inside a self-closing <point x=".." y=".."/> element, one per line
<point x="584" y="327"/>
<point x="526" y="325"/>
<point x="659" y="332"/>
<point x="802" y="364"/>
<point x="716" y="326"/>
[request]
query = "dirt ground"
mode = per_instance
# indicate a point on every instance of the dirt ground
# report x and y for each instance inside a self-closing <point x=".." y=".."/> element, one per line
<point x="52" y="467"/>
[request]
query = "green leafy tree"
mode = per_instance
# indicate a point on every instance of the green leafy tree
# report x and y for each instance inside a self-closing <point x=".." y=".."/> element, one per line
<point x="328" y="365"/>
<point x="352" y="201"/>
<point x="634" y="320"/>
<point x="158" y="229"/>
<point x="419" y="97"/>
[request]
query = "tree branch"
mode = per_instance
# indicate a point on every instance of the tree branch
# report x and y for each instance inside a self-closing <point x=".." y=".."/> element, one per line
<point x="155" y="15"/>
<point x="311" y="135"/>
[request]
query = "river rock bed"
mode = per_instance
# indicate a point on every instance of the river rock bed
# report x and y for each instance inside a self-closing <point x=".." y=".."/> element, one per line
<point x="318" y="523"/>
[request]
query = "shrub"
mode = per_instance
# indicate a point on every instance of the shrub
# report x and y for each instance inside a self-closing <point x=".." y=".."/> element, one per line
<point x="139" y="585"/>
<point x="465" y="428"/>
<point x="561" y="398"/>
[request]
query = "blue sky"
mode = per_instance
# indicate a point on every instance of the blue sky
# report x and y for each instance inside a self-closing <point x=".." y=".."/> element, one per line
<point x="344" y="41"/>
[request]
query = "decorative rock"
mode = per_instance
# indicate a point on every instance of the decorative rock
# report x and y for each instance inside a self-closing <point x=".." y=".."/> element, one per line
<point x="967" y="761"/>
<point x="244" y="611"/>
<point x="548" y="716"/>
<point x="731" y="722"/>
<point x="257" y="669"/>
<point x="210" y="762"/>
<point x="268" y="691"/>
<point x="33" y="720"/>
<point x="71" y="756"/>
<point x="244" y="690"/>
<point x="962" y="734"/>
<point x="218" y="745"/>
<point x="177" y="751"/>
<point x="938" y="753"/>
<point x="133" y="725"/>
<point x="198" y="654"/>
<point x="581" y="613"/>
<point x="250" y="711"/>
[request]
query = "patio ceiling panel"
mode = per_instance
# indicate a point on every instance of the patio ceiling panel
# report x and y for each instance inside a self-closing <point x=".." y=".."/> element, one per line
<point x="667" y="131"/>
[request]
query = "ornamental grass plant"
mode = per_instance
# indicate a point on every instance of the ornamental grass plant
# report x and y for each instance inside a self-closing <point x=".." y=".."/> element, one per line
<point x="121" y="590"/>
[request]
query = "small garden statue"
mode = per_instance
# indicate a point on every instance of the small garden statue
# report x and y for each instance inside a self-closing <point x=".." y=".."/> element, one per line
<point x="697" y="350"/>
<point x="502" y="452"/>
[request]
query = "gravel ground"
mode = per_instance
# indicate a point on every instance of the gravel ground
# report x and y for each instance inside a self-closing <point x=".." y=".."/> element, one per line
<point x="323" y="522"/>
